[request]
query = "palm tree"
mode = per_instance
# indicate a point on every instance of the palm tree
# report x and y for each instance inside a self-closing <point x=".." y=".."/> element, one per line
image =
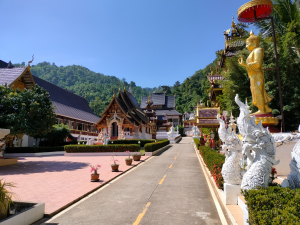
<point x="286" y="16"/>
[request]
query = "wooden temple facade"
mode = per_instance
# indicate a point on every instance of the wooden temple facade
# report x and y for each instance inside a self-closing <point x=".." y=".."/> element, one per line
<point x="124" y="116"/>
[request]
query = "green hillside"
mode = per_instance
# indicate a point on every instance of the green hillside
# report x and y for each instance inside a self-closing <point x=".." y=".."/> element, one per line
<point x="98" y="88"/>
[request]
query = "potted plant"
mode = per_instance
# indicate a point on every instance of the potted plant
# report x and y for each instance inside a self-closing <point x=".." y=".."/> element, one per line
<point x="128" y="160"/>
<point x="5" y="198"/>
<point x="115" y="166"/>
<point x="137" y="156"/>
<point x="95" y="175"/>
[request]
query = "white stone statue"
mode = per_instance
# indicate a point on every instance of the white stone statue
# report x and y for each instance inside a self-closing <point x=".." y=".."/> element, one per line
<point x="171" y="132"/>
<point x="293" y="179"/>
<point x="232" y="148"/>
<point x="196" y="131"/>
<point x="100" y="137"/>
<point x="122" y="135"/>
<point x="259" y="140"/>
<point x="106" y="139"/>
<point x="281" y="138"/>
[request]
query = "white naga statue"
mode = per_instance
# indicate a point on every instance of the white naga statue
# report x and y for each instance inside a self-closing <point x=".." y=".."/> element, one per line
<point x="3" y="134"/>
<point x="196" y="131"/>
<point x="171" y="132"/>
<point x="293" y="179"/>
<point x="100" y="137"/>
<point x="259" y="140"/>
<point x="122" y="135"/>
<point x="232" y="147"/>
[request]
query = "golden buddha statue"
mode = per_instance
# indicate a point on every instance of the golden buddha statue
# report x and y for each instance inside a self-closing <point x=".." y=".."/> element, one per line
<point x="260" y="97"/>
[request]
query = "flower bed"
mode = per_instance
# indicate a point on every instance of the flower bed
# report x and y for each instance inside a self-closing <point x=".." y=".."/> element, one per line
<point x="214" y="162"/>
<point x="151" y="147"/>
<point x="132" y="141"/>
<point x="102" y="148"/>
<point x="273" y="205"/>
<point x="33" y="149"/>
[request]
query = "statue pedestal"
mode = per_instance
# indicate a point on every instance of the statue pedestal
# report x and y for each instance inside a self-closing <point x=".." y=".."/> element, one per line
<point x="232" y="191"/>
<point x="268" y="120"/>
<point x="172" y="140"/>
<point x="6" y="162"/>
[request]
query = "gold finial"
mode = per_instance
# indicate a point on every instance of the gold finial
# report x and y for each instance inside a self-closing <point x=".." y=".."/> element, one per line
<point x="124" y="87"/>
<point x="114" y="93"/>
<point x="149" y="96"/>
<point x="119" y="88"/>
<point x="31" y="60"/>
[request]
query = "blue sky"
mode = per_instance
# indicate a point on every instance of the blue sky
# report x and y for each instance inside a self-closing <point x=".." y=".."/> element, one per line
<point x="151" y="42"/>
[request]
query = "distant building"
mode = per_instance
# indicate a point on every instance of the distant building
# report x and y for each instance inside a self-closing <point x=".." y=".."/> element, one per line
<point x="123" y="114"/>
<point x="70" y="109"/>
<point x="164" y="107"/>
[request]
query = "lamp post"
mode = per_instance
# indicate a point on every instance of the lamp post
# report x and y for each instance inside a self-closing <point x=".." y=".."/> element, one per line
<point x="254" y="11"/>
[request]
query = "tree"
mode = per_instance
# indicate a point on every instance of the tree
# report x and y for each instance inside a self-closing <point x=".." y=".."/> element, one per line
<point x="26" y="112"/>
<point x="166" y="89"/>
<point x="57" y="135"/>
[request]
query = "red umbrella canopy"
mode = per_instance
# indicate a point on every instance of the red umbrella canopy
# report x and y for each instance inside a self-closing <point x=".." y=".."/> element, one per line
<point x="262" y="9"/>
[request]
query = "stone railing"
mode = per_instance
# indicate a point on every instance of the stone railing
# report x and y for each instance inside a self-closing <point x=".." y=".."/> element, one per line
<point x="84" y="132"/>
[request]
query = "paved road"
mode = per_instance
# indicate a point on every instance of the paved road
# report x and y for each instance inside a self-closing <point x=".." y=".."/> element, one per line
<point x="167" y="189"/>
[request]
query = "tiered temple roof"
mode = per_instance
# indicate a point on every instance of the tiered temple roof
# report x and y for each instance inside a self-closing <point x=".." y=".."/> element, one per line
<point x="66" y="103"/>
<point x="163" y="105"/>
<point x="129" y="106"/>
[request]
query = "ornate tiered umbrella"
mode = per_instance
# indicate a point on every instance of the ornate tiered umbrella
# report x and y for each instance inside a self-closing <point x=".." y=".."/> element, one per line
<point x="254" y="11"/>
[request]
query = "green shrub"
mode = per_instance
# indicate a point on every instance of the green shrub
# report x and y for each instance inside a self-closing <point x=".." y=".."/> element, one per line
<point x="214" y="162"/>
<point x="151" y="147"/>
<point x="102" y="148"/>
<point x="273" y="205"/>
<point x="132" y="141"/>
<point x="33" y="149"/>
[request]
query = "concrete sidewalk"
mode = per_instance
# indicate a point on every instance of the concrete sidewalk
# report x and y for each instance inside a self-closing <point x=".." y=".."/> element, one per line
<point x="167" y="189"/>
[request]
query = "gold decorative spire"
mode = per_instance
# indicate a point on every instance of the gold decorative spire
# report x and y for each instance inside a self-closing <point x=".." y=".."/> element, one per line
<point x="124" y="87"/>
<point x="119" y="88"/>
<point x="31" y="60"/>
<point x="149" y="98"/>
<point x="114" y="93"/>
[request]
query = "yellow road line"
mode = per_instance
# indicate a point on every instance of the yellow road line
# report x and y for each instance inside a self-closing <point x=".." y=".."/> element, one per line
<point x="141" y="215"/>
<point x="162" y="180"/>
<point x="170" y="166"/>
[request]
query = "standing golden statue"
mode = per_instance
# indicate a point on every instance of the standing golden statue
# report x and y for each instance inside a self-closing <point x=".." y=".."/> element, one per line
<point x="260" y="97"/>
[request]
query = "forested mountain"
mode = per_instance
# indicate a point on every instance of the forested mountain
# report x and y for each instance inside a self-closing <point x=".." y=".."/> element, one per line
<point x="97" y="88"/>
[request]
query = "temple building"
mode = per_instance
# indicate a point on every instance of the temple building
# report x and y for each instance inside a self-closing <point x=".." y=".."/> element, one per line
<point x="123" y="116"/>
<point x="70" y="109"/>
<point x="164" y="108"/>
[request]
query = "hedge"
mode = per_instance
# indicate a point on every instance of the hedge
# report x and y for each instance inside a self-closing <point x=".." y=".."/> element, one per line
<point x="197" y="142"/>
<point x="132" y="141"/>
<point x="151" y="147"/>
<point x="214" y="162"/>
<point x="33" y="149"/>
<point x="101" y="148"/>
<point x="273" y="205"/>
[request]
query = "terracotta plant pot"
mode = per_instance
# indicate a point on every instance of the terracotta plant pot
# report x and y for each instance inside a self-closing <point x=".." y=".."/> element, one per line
<point x="202" y="143"/>
<point x="95" y="177"/>
<point x="115" y="167"/>
<point x="136" y="157"/>
<point x="128" y="162"/>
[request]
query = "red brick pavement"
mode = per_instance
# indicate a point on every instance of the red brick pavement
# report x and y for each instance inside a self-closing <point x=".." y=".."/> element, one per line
<point x="58" y="180"/>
